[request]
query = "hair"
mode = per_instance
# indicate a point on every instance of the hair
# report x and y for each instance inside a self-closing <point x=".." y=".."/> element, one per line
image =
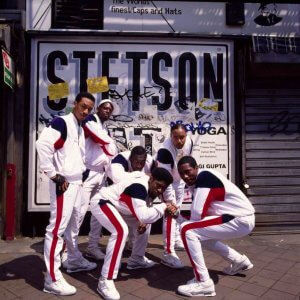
<point x="187" y="160"/>
<point x="138" y="150"/>
<point x="85" y="95"/>
<point x="178" y="126"/>
<point x="162" y="174"/>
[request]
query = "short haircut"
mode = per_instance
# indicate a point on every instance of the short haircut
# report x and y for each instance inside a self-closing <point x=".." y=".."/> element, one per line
<point x="85" y="95"/>
<point x="138" y="150"/>
<point x="178" y="126"/>
<point x="187" y="160"/>
<point x="162" y="174"/>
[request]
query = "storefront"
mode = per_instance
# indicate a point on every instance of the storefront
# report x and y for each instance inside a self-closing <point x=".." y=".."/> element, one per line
<point x="175" y="62"/>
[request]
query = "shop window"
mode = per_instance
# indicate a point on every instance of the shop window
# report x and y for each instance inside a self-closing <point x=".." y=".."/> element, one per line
<point x="77" y="14"/>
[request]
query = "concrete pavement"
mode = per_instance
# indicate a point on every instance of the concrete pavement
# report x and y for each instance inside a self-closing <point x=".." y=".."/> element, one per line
<point x="275" y="276"/>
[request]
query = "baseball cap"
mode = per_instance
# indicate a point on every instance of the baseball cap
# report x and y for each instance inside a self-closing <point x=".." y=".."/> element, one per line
<point x="116" y="107"/>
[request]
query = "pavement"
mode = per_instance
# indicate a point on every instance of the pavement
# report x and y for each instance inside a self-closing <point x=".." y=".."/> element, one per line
<point x="275" y="276"/>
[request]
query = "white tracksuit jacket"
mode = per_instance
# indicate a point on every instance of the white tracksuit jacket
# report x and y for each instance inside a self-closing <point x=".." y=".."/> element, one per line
<point x="120" y="166"/>
<point x="59" y="146"/>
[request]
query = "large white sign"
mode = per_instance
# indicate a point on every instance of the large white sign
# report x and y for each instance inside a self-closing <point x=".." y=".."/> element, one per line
<point x="156" y="83"/>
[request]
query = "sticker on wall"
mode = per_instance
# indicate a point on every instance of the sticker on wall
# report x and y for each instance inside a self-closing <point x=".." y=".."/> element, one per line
<point x="7" y="69"/>
<point x="97" y="85"/>
<point x="58" y="90"/>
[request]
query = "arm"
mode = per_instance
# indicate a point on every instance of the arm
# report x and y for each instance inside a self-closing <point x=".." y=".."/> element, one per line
<point x="208" y="189"/>
<point x="93" y="130"/>
<point x="165" y="160"/>
<point x="118" y="168"/>
<point x="51" y="139"/>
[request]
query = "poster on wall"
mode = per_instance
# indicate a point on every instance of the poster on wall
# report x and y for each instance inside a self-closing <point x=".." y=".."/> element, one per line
<point x="156" y="83"/>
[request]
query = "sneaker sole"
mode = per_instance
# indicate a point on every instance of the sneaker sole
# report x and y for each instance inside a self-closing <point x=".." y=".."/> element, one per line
<point x="94" y="257"/>
<point x="179" y="248"/>
<point x="207" y="294"/>
<point x="237" y="272"/>
<point x="106" y="298"/>
<point x="139" y="267"/>
<point x="171" y="266"/>
<point x="56" y="293"/>
<point x="80" y="270"/>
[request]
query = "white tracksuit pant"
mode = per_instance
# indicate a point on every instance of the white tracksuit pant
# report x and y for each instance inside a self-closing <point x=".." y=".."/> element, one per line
<point x="108" y="216"/>
<point x="90" y="187"/>
<point x="170" y="225"/>
<point x="64" y="221"/>
<point x="117" y="224"/>
<point x="207" y="233"/>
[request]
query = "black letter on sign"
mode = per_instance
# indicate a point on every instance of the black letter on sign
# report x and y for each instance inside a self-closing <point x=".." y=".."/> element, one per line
<point x="210" y="78"/>
<point x="61" y="104"/>
<point x="191" y="59"/>
<point x="136" y="75"/>
<point x="83" y="57"/>
<point x="160" y="81"/>
<point x="106" y="56"/>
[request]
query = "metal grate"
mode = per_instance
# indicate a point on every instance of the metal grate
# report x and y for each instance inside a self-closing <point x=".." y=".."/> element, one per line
<point x="77" y="14"/>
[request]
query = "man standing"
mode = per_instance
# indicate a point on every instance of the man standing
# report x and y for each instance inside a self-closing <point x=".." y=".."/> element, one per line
<point x="100" y="148"/>
<point x="175" y="147"/>
<point x="219" y="211"/>
<point x="61" y="152"/>
<point x="112" y="204"/>
<point x="126" y="162"/>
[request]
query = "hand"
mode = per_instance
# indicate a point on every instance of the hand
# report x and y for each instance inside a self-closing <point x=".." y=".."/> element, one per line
<point x="141" y="228"/>
<point x="61" y="182"/>
<point x="171" y="210"/>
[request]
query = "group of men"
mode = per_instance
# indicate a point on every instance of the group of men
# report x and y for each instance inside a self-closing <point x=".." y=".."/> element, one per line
<point x="86" y="170"/>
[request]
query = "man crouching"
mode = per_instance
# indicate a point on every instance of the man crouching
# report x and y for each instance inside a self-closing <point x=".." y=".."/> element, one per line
<point x="112" y="204"/>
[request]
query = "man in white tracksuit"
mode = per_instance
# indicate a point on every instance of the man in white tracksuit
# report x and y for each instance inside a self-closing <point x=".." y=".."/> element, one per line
<point x="175" y="147"/>
<point x="114" y="203"/>
<point x="219" y="211"/>
<point x="126" y="162"/>
<point x="100" y="149"/>
<point x="61" y="153"/>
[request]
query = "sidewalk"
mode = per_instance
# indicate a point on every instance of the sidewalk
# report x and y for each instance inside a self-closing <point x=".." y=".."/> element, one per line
<point x="275" y="276"/>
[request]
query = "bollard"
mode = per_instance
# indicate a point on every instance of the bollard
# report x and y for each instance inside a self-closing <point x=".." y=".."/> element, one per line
<point x="9" y="232"/>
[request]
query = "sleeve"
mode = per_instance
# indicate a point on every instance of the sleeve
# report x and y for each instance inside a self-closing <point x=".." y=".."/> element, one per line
<point x="98" y="135"/>
<point x="51" y="139"/>
<point x="208" y="188"/>
<point x="165" y="160"/>
<point x="118" y="168"/>
<point x="135" y="197"/>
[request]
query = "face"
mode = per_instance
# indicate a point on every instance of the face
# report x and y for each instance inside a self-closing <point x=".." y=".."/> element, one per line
<point x="104" y="111"/>
<point x="156" y="188"/>
<point x="82" y="108"/>
<point x="188" y="173"/>
<point x="178" y="137"/>
<point x="138" y="162"/>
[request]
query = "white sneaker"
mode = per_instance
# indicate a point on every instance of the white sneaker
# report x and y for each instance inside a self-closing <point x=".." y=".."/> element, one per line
<point x="81" y="265"/>
<point x="242" y="265"/>
<point x="179" y="245"/>
<point x="59" y="287"/>
<point x="172" y="261"/>
<point x="139" y="262"/>
<point x="195" y="288"/>
<point x="106" y="288"/>
<point x="95" y="253"/>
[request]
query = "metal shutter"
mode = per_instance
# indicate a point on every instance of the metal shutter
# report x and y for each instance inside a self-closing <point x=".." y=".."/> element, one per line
<point x="271" y="165"/>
